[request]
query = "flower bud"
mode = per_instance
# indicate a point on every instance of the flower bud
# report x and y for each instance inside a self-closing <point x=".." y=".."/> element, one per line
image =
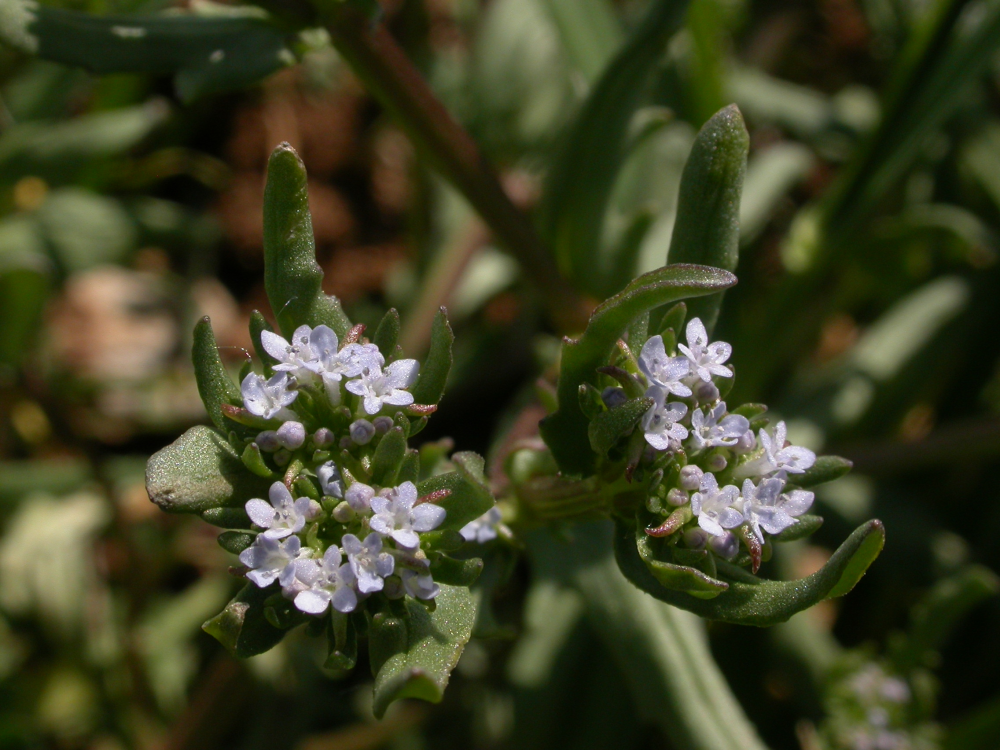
<point x="362" y="431"/>
<point x="282" y="457"/>
<point x="695" y="538"/>
<point x="717" y="462"/>
<point x="291" y="435"/>
<point x="725" y="546"/>
<point x="690" y="477"/>
<point x="343" y="513"/>
<point x="706" y="392"/>
<point x="382" y="425"/>
<point x="677" y="497"/>
<point x="613" y="396"/>
<point x="267" y="441"/>
<point x="324" y="437"/>
<point x="746" y="443"/>
<point x="359" y="496"/>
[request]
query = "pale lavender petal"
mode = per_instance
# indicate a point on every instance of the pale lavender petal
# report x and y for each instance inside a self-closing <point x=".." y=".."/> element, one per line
<point x="312" y="602"/>
<point x="357" y="387"/>
<point x="402" y="373"/>
<point x="710" y="525"/>
<point x="697" y="336"/>
<point x="798" y="502"/>
<point x="385" y="563"/>
<point x="379" y="504"/>
<point x="264" y="577"/>
<point x="274" y="345"/>
<point x="397" y="398"/>
<point x="380" y="524"/>
<point x="260" y="512"/>
<point x="373" y="404"/>
<point x="352" y="545"/>
<point x="405" y="537"/>
<point x="344" y="599"/>
<point x="730" y="517"/>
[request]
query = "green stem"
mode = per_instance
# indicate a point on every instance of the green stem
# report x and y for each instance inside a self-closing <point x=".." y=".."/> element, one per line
<point x="394" y="80"/>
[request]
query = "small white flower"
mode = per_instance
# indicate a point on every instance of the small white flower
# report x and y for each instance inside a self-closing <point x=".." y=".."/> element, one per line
<point x="765" y="507"/>
<point x="419" y="585"/>
<point x="714" y="506"/>
<point x="369" y="563"/>
<point x="482" y="529"/>
<point x="359" y="496"/>
<point x="349" y="362"/>
<point x="661" y="422"/>
<point x="330" y="480"/>
<point x="705" y="359"/>
<point x="395" y="515"/>
<point x="268" y="398"/>
<point x="302" y="356"/>
<point x="715" y="428"/>
<point x="283" y="516"/>
<point x="328" y="583"/>
<point x="776" y="456"/>
<point x="270" y="559"/>
<point x="662" y="370"/>
<point x="379" y="387"/>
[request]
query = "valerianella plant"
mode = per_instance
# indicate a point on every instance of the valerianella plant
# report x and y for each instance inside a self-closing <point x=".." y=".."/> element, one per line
<point x="337" y="522"/>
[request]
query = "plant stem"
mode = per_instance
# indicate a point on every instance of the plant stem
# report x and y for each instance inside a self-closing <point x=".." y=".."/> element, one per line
<point x="394" y="80"/>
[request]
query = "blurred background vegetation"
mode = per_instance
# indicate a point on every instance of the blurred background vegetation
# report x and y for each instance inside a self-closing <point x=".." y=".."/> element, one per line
<point x="866" y="315"/>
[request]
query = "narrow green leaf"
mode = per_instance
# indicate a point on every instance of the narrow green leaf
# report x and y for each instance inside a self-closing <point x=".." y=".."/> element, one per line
<point x="214" y="384"/>
<point x="254" y="460"/>
<point x="388" y="457"/>
<point x="343" y="638"/>
<point x="227" y="518"/>
<point x="470" y="494"/>
<point x="433" y="376"/>
<point x="208" y="54"/>
<point x="199" y="471"/>
<point x="292" y="277"/>
<point x="673" y="320"/>
<point x="241" y="627"/>
<point x="236" y="541"/>
<point x="590" y="33"/>
<point x="707" y="230"/>
<point x="565" y="431"/>
<point x="826" y="469"/>
<point x="456" y="572"/>
<point x="434" y="643"/>
<point x="387" y="333"/>
<point x="804" y="526"/>
<point x="678" y="577"/>
<point x="580" y="181"/>
<point x="612" y="425"/>
<point x="754" y="601"/>
<point x="387" y="637"/>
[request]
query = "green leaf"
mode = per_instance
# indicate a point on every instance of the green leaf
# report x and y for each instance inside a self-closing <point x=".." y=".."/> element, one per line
<point x="707" y="229"/>
<point x="590" y="33"/>
<point x="754" y="601"/>
<point x="804" y="526"/>
<point x="225" y="51"/>
<point x="678" y="577"/>
<point x="456" y="572"/>
<point x="612" y="425"/>
<point x="200" y="471"/>
<point x="387" y="333"/>
<point x="292" y="277"/>
<point x="258" y="324"/>
<point x="565" y="431"/>
<point x="236" y="541"/>
<point x="214" y="384"/>
<point x="580" y="181"/>
<point x="227" y="518"/>
<point x="826" y="469"/>
<point x="470" y="494"/>
<point x="433" y="376"/>
<point x="940" y="610"/>
<point x="388" y="457"/>
<point x="434" y="643"/>
<point x="241" y="627"/>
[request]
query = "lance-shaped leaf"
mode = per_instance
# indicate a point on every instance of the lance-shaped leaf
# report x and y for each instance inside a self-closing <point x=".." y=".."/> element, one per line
<point x="242" y="627"/>
<point x="826" y="469"/>
<point x="434" y="643"/>
<point x="387" y="334"/>
<point x="610" y="426"/>
<point x="292" y="277"/>
<point x="565" y="431"/>
<point x="214" y="384"/>
<point x="707" y="230"/>
<point x="753" y="601"/>
<point x="434" y="372"/>
<point x="583" y="175"/>
<point x="388" y="456"/>
<point x="228" y="50"/>
<point x="199" y="471"/>
<point x="258" y="324"/>
<point x="469" y="496"/>
<point x="678" y="577"/>
<point x="804" y="526"/>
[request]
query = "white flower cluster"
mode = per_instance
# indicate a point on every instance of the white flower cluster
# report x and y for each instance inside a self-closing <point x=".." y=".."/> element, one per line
<point x="718" y="445"/>
<point x="388" y="559"/>
<point x="372" y="534"/>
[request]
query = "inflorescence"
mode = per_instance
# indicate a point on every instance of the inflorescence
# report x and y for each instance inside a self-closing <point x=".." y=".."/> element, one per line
<point x="725" y="483"/>
<point x="327" y="407"/>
